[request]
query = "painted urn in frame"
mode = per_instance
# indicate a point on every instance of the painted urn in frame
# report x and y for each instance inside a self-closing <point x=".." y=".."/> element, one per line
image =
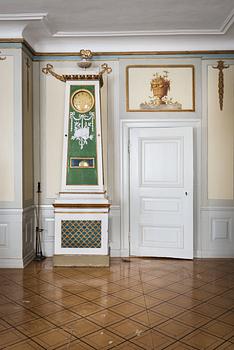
<point x="160" y="85"/>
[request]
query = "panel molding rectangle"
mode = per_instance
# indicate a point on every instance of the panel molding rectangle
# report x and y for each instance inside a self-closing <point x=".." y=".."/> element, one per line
<point x="164" y="156"/>
<point x="161" y="205"/>
<point x="173" y="236"/>
<point x="3" y="235"/>
<point x="221" y="228"/>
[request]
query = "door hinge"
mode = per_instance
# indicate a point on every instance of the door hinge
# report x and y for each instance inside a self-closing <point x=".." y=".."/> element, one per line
<point x="129" y="147"/>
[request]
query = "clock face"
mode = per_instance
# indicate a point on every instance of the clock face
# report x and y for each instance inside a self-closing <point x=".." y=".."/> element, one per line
<point x="82" y="101"/>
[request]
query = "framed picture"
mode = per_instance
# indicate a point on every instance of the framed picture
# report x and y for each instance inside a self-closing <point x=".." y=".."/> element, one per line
<point x="160" y="88"/>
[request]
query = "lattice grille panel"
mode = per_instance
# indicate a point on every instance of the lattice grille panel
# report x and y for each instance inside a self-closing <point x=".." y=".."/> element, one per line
<point x="81" y="233"/>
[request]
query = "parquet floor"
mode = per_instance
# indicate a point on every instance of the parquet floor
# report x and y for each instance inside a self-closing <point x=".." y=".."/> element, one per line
<point x="136" y="304"/>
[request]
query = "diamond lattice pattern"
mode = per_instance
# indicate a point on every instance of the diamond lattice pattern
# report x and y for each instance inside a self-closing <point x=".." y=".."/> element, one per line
<point x="81" y="233"/>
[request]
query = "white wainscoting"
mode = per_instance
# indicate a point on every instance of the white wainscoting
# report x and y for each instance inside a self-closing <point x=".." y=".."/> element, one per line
<point x="47" y="216"/>
<point x="17" y="232"/>
<point x="28" y="234"/>
<point x="47" y="224"/>
<point x="217" y="232"/>
<point x="114" y="231"/>
<point x="11" y="238"/>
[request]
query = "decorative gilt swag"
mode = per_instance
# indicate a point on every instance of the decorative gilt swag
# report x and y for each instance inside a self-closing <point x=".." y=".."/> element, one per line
<point x="105" y="69"/>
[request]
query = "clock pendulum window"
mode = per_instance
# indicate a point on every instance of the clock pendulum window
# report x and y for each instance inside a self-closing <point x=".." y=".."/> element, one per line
<point x="81" y="209"/>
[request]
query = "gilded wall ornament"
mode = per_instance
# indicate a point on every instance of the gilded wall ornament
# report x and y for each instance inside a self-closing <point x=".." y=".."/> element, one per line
<point x="221" y="66"/>
<point x="86" y="56"/>
<point x="85" y="62"/>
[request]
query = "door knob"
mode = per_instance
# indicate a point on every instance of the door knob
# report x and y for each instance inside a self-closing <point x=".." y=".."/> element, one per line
<point x="186" y="193"/>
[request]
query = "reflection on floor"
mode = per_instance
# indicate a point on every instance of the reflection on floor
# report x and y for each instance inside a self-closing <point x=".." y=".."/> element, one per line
<point x="135" y="304"/>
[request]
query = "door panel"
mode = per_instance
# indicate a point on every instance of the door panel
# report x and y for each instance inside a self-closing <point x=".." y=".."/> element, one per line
<point x="161" y="192"/>
<point x="160" y="173"/>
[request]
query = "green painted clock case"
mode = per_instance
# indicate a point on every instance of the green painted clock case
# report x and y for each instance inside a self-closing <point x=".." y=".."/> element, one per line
<point x="82" y="147"/>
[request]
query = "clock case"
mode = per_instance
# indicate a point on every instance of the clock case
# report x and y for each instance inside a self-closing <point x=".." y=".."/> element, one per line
<point x="90" y="185"/>
<point x="82" y="208"/>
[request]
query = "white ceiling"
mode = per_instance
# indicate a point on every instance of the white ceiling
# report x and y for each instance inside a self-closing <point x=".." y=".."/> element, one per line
<point x="51" y="25"/>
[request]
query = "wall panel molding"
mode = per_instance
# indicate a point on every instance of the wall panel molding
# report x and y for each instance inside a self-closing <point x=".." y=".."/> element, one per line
<point x="3" y="235"/>
<point x="217" y="233"/>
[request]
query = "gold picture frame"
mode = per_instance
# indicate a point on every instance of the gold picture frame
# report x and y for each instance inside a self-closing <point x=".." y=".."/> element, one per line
<point x="160" y="88"/>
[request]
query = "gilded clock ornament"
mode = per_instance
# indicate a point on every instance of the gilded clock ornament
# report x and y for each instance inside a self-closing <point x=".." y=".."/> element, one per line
<point x="82" y="101"/>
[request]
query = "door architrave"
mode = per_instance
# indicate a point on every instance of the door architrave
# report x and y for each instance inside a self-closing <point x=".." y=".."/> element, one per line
<point x="125" y="126"/>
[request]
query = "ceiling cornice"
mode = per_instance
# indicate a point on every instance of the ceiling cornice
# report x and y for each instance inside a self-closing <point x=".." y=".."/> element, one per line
<point x="14" y="24"/>
<point x="22" y="16"/>
<point x="229" y="20"/>
<point x="227" y="23"/>
<point x="137" y="33"/>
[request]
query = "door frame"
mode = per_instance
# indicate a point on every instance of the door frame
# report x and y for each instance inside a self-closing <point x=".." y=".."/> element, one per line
<point x="125" y="126"/>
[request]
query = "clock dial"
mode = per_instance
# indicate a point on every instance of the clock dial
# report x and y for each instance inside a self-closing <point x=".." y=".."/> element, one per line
<point x="82" y="101"/>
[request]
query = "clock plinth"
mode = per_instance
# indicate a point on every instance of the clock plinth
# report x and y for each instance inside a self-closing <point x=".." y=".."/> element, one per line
<point x="81" y="210"/>
<point x="81" y="230"/>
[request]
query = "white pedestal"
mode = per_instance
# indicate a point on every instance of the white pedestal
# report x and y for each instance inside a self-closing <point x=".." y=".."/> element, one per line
<point x="81" y="230"/>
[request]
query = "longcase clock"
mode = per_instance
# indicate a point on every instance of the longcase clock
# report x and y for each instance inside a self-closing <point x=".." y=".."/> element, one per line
<point x="81" y="210"/>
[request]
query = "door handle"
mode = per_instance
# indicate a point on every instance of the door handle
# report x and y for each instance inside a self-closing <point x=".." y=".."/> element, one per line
<point x="186" y="193"/>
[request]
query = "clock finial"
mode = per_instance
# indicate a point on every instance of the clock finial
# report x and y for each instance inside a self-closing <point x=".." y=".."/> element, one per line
<point x="85" y="62"/>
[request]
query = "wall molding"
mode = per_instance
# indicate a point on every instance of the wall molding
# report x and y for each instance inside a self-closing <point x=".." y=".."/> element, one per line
<point x="115" y="54"/>
<point x="217" y="208"/>
<point x="217" y="232"/>
<point x="17" y="232"/>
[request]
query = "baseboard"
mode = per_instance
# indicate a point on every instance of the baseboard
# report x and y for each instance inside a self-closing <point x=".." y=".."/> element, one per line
<point x="28" y="258"/>
<point x="197" y="254"/>
<point x="215" y="254"/>
<point x="115" y="253"/>
<point x="11" y="263"/>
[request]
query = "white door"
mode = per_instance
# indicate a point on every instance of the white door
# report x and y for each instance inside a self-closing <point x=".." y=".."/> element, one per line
<point x="161" y="192"/>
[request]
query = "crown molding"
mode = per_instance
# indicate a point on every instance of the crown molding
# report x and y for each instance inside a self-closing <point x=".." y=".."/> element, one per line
<point x="13" y="25"/>
<point x="22" y="16"/>
<point x="137" y="33"/>
<point x="229" y="20"/>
